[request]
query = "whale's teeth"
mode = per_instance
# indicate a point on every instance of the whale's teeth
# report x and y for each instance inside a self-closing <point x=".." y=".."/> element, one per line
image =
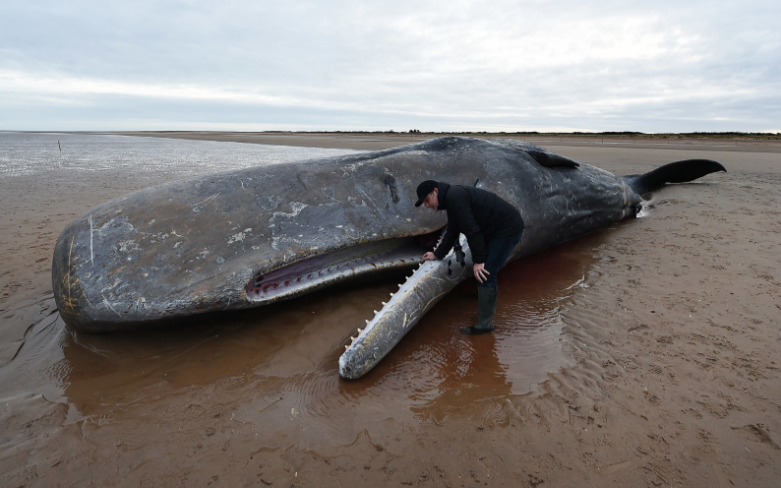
<point x="375" y="312"/>
<point x="346" y="347"/>
<point x="400" y="285"/>
<point x="384" y="303"/>
<point x="391" y="294"/>
<point x="367" y="322"/>
<point x="359" y="330"/>
<point x="352" y="339"/>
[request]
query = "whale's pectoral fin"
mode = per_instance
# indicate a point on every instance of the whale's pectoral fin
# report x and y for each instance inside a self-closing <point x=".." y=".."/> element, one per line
<point x="551" y="160"/>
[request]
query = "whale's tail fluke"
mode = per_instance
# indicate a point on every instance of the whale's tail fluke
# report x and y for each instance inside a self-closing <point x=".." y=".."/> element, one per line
<point x="677" y="172"/>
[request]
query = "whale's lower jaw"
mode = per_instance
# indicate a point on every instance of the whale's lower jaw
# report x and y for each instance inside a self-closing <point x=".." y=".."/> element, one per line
<point x="422" y="290"/>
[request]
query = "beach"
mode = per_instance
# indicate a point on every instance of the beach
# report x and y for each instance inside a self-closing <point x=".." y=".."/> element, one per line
<point x="644" y="354"/>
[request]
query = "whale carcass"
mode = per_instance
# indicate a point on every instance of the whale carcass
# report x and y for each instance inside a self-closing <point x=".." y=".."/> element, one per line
<point x="256" y="236"/>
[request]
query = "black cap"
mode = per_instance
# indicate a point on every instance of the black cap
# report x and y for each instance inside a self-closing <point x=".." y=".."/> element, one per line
<point x="424" y="189"/>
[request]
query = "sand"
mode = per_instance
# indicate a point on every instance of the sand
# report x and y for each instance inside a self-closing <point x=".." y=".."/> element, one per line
<point x="647" y="354"/>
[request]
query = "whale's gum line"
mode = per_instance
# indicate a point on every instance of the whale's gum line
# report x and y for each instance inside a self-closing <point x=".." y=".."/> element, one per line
<point x="314" y="273"/>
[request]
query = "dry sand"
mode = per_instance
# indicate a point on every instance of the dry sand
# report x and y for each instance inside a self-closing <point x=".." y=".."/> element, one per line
<point x="647" y="354"/>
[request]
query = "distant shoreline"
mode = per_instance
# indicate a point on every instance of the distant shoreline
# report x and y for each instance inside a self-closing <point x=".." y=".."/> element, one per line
<point x="372" y="141"/>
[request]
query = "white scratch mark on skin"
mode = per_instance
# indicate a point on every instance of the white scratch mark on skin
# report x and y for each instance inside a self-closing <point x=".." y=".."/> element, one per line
<point x="109" y="306"/>
<point x="91" y="253"/>
<point x="204" y="202"/>
<point x="372" y="202"/>
<point x="242" y="184"/>
<point x="329" y="196"/>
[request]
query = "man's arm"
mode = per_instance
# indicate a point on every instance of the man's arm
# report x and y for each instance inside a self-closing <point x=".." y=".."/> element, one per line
<point x="444" y="246"/>
<point x="448" y="240"/>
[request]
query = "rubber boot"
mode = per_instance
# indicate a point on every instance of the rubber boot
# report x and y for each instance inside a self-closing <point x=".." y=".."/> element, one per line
<point x="486" y="310"/>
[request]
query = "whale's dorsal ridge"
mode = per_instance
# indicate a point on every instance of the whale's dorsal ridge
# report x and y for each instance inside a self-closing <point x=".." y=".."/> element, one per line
<point x="552" y="160"/>
<point x="542" y="156"/>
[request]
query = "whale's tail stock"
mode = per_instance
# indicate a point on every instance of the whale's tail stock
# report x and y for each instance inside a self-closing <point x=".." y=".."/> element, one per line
<point x="677" y="172"/>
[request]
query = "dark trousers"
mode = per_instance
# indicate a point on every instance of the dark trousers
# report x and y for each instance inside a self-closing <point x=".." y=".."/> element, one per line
<point x="497" y="252"/>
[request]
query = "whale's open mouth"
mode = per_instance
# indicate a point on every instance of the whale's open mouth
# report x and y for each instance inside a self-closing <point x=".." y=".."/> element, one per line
<point x="327" y="269"/>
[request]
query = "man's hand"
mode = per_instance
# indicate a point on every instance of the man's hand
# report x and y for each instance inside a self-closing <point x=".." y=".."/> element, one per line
<point x="481" y="274"/>
<point x="429" y="256"/>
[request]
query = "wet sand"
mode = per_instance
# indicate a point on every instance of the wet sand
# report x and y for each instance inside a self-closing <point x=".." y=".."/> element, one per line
<point x="646" y="354"/>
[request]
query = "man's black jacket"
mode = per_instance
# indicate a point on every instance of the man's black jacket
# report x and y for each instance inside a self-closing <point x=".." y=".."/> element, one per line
<point x="478" y="214"/>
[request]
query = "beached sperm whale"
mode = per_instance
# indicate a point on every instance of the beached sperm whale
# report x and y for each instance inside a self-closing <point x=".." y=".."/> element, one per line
<point x="252" y="237"/>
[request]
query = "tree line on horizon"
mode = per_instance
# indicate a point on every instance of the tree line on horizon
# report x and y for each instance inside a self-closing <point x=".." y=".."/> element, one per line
<point x="665" y="135"/>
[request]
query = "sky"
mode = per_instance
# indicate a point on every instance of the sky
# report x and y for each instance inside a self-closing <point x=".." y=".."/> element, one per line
<point x="435" y="66"/>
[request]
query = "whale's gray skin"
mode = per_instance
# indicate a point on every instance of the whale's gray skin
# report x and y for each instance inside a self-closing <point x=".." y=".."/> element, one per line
<point x="252" y="237"/>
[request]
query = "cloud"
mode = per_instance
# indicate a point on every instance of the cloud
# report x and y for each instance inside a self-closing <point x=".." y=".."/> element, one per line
<point x="372" y="65"/>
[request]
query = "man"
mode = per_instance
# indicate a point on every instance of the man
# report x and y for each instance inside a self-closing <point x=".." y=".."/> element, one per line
<point x="492" y="228"/>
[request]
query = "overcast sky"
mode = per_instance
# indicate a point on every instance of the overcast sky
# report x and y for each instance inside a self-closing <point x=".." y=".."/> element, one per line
<point x="666" y="66"/>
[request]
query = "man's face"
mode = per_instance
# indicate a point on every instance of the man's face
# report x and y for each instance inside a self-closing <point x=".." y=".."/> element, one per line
<point x="432" y="200"/>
